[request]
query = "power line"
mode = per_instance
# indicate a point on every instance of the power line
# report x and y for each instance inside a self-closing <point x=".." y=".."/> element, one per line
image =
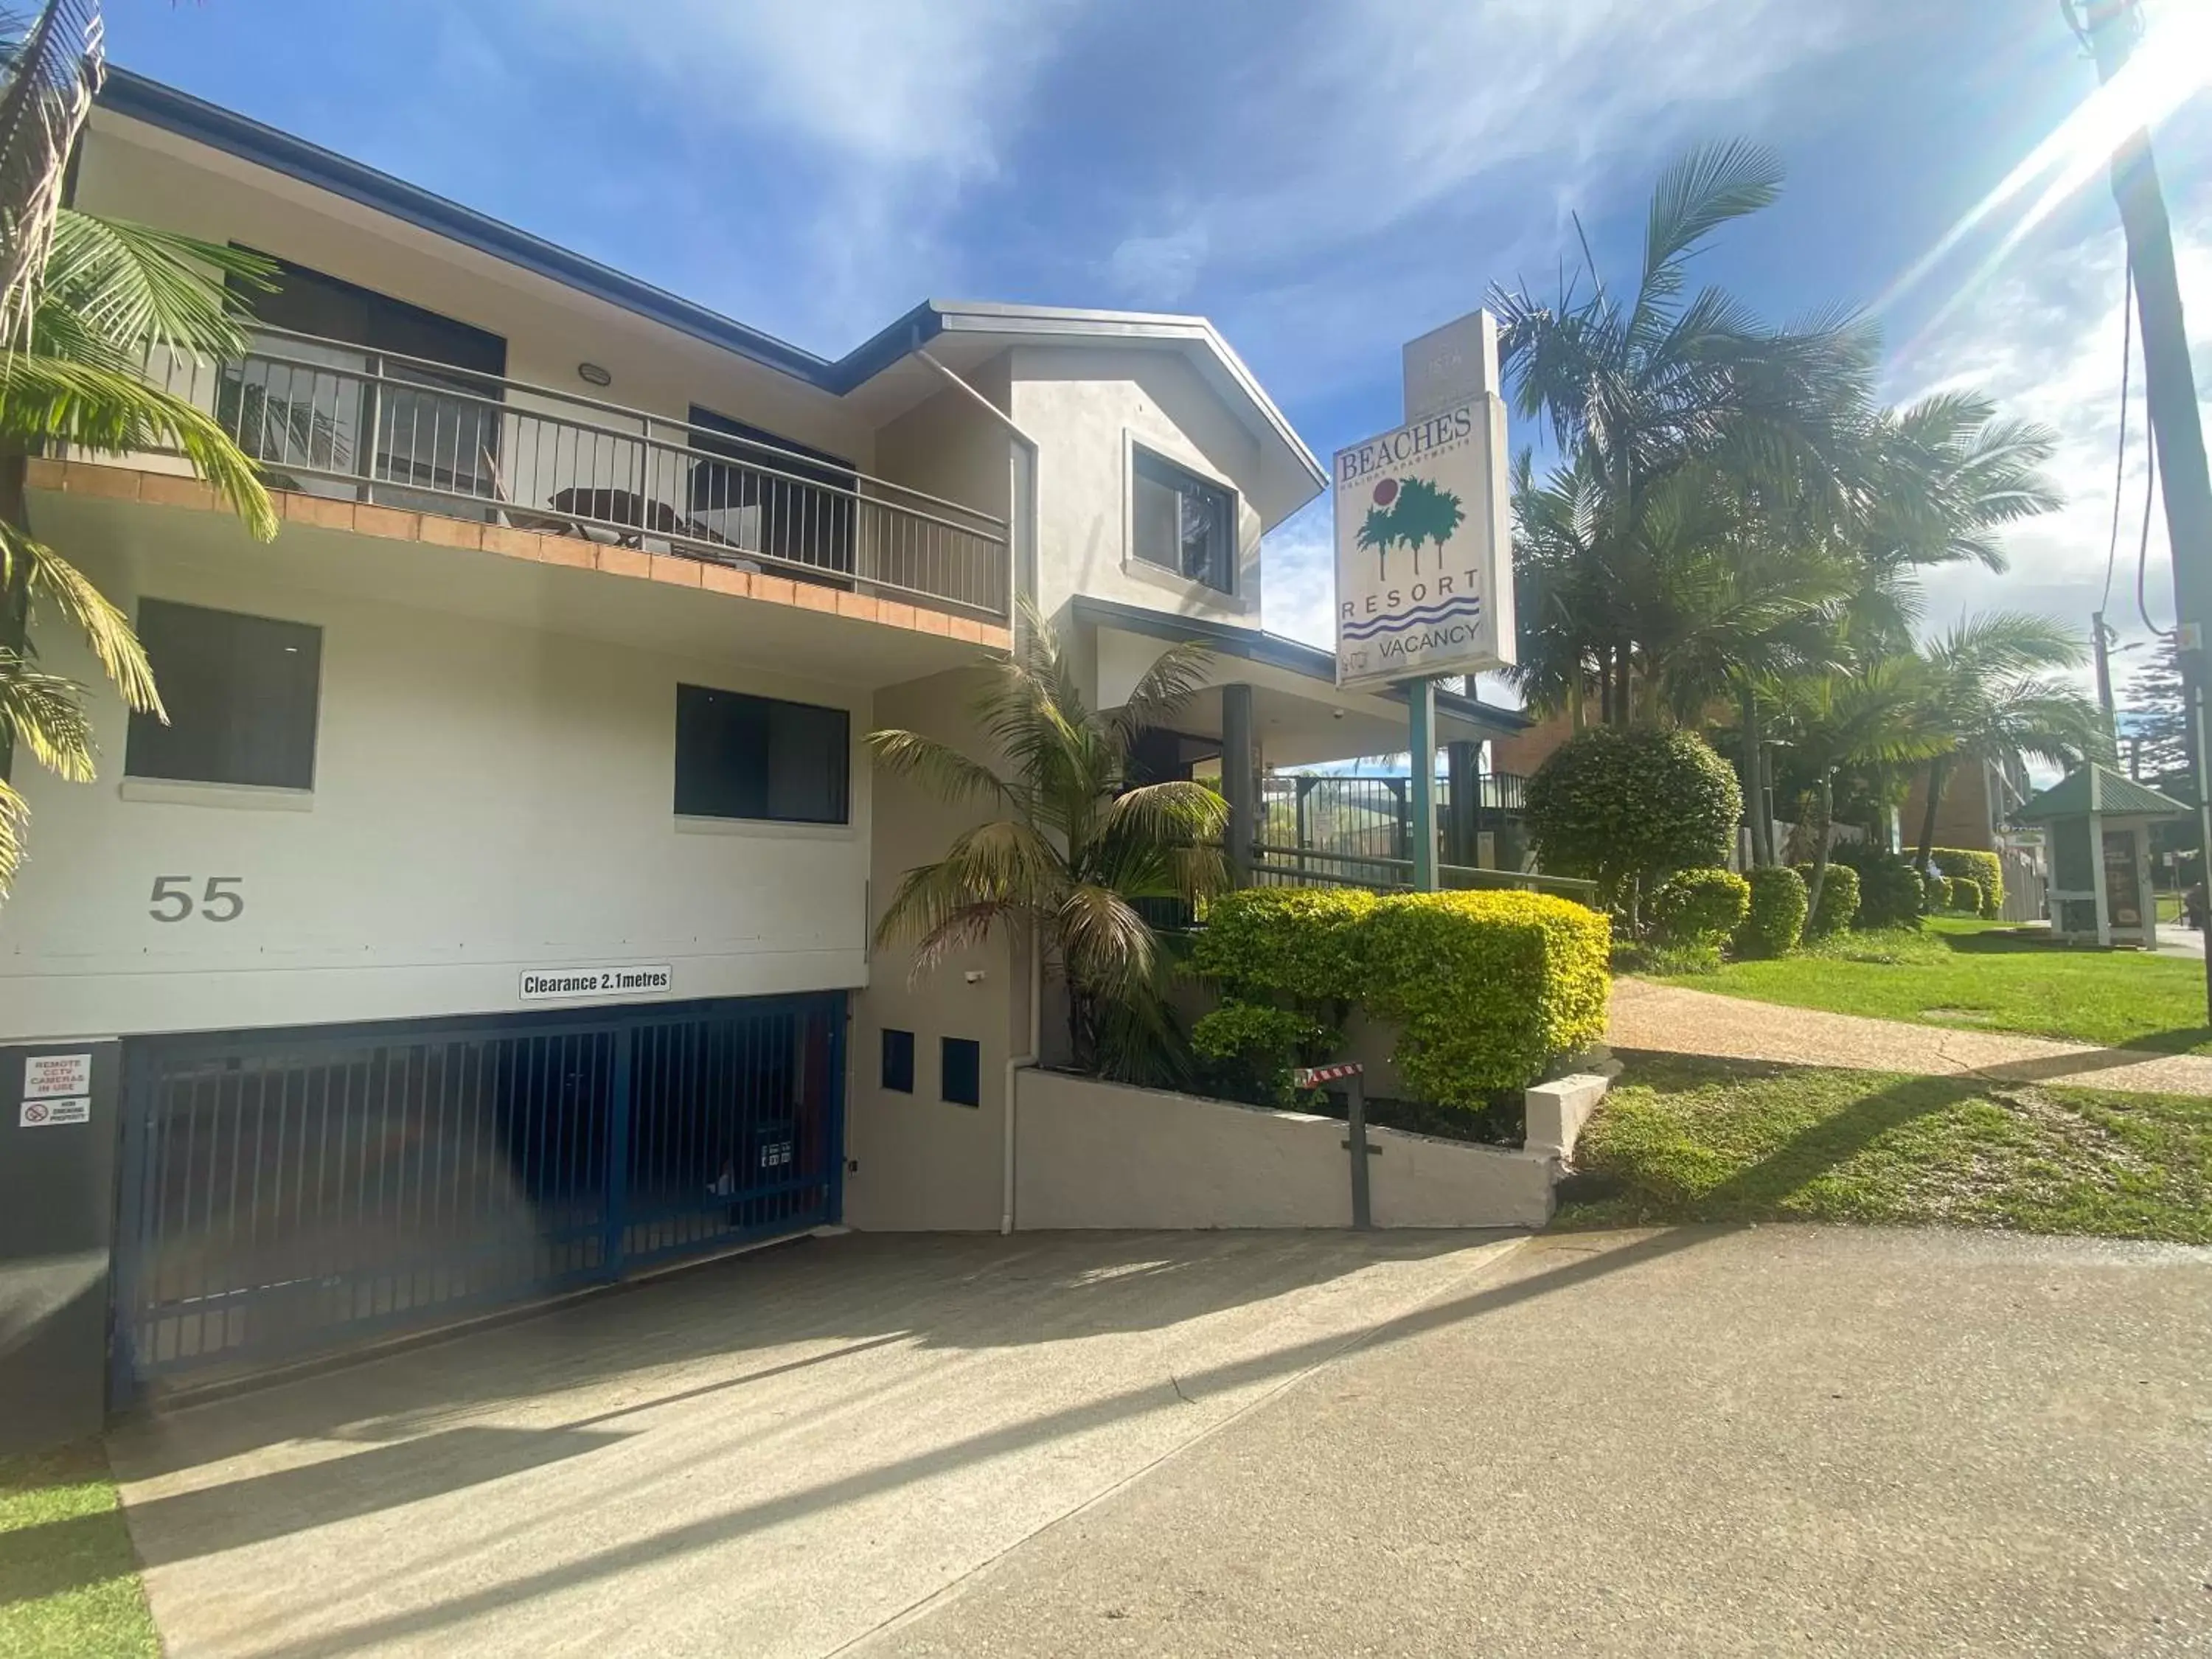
<point x="2120" y="465"/>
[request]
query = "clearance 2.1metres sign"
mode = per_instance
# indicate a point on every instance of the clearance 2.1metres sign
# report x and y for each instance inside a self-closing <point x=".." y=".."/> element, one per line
<point x="1424" y="549"/>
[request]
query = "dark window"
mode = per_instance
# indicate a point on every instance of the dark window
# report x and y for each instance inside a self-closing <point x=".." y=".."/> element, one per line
<point x="1185" y="524"/>
<point x="241" y="693"/>
<point x="312" y="419"/>
<point x="756" y="757"/>
<point x="787" y="500"/>
<point x="898" y="1060"/>
<point x="961" y="1062"/>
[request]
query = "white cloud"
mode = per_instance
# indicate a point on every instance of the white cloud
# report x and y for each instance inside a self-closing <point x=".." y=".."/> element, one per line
<point x="1158" y="270"/>
<point x="2044" y="341"/>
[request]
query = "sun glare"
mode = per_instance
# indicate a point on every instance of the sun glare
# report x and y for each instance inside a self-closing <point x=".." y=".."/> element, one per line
<point x="2172" y="62"/>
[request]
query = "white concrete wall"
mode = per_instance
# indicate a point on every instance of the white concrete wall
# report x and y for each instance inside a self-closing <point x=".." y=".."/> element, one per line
<point x="1093" y="1154"/>
<point x="1085" y="407"/>
<point x="133" y="171"/>
<point x="487" y="798"/>
<point x="923" y="1163"/>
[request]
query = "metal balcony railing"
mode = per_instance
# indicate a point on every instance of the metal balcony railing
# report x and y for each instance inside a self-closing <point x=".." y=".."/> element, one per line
<point x="1291" y="867"/>
<point x="333" y="419"/>
<point x="1371" y="817"/>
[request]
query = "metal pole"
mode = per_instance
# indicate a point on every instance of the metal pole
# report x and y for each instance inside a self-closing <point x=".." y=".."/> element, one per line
<point x="2170" y="390"/>
<point x="1355" y="1111"/>
<point x="2101" y="643"/>
<point x="1421" y="727"/>
<point x="1239" y="779"/>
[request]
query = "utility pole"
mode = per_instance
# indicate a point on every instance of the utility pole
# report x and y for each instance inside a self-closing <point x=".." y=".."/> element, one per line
<point x="2111" y="29"/>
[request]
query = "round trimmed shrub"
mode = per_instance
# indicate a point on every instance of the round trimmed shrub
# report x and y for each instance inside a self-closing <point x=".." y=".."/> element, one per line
<point x="1839" y="899"/>
<point x="1627" y="806"/>
<point x="1699" y="906"/>
<point x="1965" y="898"/>
<point x="1891" y="893"/>
<point x="1774" y="920"/>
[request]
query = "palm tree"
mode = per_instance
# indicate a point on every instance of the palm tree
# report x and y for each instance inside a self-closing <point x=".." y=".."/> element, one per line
<point x="1426" y="514"/>
<point x="86" y="301"/>
<point x="1989" y="701"/>
<point x="1076" y="847"/>
<point x="1636" y="389"/>
<point x="1376" y="532"/>
<point x="113" y="294"/>
<point x="1875" y="716"/>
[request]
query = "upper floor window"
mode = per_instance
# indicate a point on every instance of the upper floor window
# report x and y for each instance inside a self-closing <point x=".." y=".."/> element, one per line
<point x="741" y="757"/>
<point x="241" y="695"/>
<point x="1184" y="523"/>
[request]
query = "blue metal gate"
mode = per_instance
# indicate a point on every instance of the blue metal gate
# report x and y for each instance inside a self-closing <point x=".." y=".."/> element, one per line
<point x="283" y="1191"/>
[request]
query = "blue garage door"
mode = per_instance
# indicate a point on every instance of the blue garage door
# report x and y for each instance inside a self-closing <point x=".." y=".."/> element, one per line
<point x="286" y="1191"/>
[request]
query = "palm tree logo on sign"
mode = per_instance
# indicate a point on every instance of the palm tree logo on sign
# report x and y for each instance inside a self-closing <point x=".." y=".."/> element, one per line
<point x="1412" y="511"/>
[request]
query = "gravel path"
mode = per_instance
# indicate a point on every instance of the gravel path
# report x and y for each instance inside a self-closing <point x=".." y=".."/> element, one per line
<point x="1672" y="1020"/>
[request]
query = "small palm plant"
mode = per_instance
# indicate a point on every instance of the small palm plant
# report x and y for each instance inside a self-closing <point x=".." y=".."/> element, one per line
<point x="1079" y="843"/>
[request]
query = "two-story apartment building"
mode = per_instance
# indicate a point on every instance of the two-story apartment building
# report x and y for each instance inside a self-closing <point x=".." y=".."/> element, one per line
<point x="493" y="912"/>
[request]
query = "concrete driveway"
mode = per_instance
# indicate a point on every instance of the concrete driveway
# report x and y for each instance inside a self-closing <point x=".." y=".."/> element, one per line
<point x="1780" y="1439"/>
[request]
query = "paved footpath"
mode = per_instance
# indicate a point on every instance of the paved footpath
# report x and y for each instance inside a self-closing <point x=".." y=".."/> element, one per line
<point x="1672" y="1020"/>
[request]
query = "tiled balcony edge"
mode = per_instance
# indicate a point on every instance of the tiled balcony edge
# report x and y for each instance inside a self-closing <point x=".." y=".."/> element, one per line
<point x="115" y="482"/>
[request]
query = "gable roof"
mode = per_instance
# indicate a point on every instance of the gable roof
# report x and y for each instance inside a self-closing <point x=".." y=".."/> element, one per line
<point x="171" y="111"/>
<point x="2094" y="788"/>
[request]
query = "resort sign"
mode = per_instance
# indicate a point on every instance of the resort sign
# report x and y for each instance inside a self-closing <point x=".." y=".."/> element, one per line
<point x="1424" y="546"/>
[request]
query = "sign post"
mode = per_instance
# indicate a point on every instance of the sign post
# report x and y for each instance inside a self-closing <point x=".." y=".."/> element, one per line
<point x="1351" y="1075"/>
<point x="1424" y="547"/>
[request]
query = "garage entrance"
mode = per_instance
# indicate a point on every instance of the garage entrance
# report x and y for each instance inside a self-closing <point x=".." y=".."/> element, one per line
<point x="286" y="1191"/>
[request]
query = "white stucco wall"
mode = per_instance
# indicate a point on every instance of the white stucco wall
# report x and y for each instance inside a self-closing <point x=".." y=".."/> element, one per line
<point x="1095" y="1154"/>
<point x="488" y="797"/>
<point x="1084" y="408"/>
<point x="925" y="1164"/>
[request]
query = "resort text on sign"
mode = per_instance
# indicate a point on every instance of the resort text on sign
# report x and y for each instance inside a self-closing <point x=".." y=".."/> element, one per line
<point x="1424" y="549"/>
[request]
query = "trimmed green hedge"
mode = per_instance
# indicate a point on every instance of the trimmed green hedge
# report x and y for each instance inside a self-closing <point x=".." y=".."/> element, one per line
<point x="1699" y="906"/>
<point x="1775" y="921"/>
<point x="1488" y="989"/>
<point x="1966" y="896"/>
<point x="1839" y="899"/>
<point x="1985" y="869"/>
<point x="1254" y="1045"/>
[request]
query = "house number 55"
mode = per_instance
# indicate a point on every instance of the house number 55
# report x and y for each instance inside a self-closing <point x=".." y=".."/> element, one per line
<point x="220" y="901"/>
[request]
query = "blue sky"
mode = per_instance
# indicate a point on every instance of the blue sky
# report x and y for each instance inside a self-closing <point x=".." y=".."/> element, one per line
<point x="1324" y="178"/>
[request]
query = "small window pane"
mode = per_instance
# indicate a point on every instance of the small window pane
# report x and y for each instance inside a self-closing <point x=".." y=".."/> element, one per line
<point x="241" y="693"/>
<point x="738" y="757"/>
<point x="898" y="1061"/>
<point x="962" y="1063"/>
<point x="1184" y="524"/>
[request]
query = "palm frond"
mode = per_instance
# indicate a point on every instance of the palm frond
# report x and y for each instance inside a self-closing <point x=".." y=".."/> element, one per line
<point x="53" y="74"/>
<point x="1106" y="947"/>
<point x="1167" y="814"/>
<point x="937" y="766"/>
<point x="129" y="287"/>
<point x="1705" y="190"/>
<point x="45" y="714"/>
<point x="45" y="574"/>
<point x="50" y="400"/>
<point x="1162" y="691"/>
<point x="14" y="821"/>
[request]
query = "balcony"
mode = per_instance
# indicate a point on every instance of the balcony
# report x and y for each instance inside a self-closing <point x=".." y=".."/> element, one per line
<point x="325" y="418"/>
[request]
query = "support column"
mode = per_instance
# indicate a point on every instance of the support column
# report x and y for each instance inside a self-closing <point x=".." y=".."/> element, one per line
<point x="1463" y="806"/>
<point x="1240" y="779"/>
<point x="1421" y="700"/>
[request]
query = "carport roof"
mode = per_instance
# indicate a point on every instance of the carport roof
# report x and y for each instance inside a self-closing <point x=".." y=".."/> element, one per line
<point x="1277" y="650"/>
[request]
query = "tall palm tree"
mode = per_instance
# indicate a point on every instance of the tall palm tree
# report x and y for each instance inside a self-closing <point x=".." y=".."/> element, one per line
<point x="1990" y="701"/>
<point x="1636" y="386"/>
<point x="1079" y="844"/>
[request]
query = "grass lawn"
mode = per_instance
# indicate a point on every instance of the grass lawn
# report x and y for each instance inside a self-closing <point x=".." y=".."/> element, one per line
<point x="1985" y="975"/>
<point x="69" y="1581"/>
<point x="1697" y="1139"/>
